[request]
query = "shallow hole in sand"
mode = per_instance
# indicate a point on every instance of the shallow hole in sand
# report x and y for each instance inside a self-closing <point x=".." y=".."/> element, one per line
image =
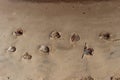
<point x="8" y="78"/>
<point x="83" y="12"/>
<point x="27" y="56"/>
<point x="18" y="32"/>
<point x="44" y="49"/>
<point x="55" y="35"/>
<point x="11" y="49"/>
<point x="87" y="78"/>
<point x="105" y="35"/>
<point x="74" y="37"/>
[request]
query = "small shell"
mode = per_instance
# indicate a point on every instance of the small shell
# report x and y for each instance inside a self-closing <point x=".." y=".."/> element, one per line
<point x="27" y="56"/>
<point x="18" y="32"/>
<point x="11" y="49"/>
<point x="105" y="36"/>
<point x="44" y="49"/>
<point x="55" y="35"/>
<point x="75" y="37"/>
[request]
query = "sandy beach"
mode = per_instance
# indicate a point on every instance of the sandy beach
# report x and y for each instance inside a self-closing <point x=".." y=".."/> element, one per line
<point x="30" y="51"/>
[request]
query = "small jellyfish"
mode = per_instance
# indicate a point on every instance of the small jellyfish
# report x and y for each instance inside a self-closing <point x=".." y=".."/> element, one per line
<point x="27" y="56"/>
<point x="11" y="49"/>
<point x="75" y="37"/>
<point x="44" y="49"/>
<point x="18" y="32"/>
<point x="105" y="36"/>
<point x="55" y="35"/>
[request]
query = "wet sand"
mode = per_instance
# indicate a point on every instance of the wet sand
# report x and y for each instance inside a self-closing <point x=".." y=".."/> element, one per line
<point x="38" y="19"/>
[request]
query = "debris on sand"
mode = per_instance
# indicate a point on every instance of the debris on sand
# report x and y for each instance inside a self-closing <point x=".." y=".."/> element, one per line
<point x="55" y="35"/>
<point x="105" y="35"/>
<point x="75" y="37"/>
<point x="11" y="49"/>
<point x="87" y="51"/>
<point x="27" y="56"/>
<point x="18" y="32"/>
<point x="87" y="78"/>
<point x="44" y="49"/>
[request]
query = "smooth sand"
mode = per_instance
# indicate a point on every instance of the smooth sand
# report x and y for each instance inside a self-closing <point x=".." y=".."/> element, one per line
<point x="64" y="62"/>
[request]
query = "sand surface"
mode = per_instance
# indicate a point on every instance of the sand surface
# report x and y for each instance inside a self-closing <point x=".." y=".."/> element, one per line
<point x="38" y="18"/>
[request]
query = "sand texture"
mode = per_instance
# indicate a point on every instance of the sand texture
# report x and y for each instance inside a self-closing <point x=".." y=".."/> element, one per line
<point x="45" y="39"/>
